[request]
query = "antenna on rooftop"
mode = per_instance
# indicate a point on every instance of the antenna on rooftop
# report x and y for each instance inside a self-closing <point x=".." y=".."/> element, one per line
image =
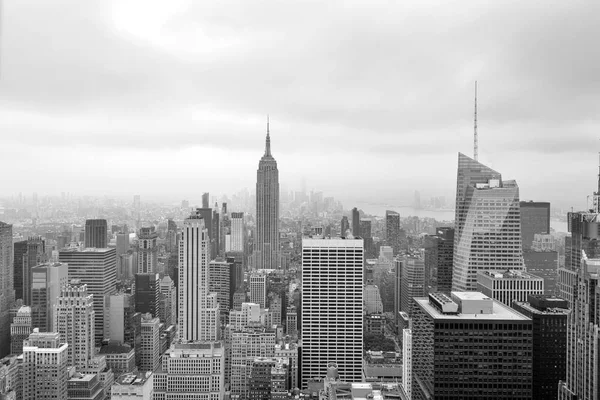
<point x="475" y="139"/>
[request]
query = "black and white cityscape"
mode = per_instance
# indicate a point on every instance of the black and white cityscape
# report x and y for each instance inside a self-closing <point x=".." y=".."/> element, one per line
<point x="248" y="200"/>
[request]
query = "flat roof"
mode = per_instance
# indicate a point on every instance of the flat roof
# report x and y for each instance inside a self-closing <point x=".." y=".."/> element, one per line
<point x="470" y="296"/>
<point x="501" y="311"/>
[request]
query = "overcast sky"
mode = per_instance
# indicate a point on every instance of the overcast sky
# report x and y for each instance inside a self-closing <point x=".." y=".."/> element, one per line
<point x="368" y="100"/>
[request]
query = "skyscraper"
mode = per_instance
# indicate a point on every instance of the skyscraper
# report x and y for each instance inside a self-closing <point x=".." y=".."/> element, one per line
<point x="7" y="293"/>
<point x="150" y="346"/>
<point x="147" y="251"/>
<point x="355" y="223"/>
<point x="96" y="233"/>
<point x="439" y="250"/>
<point x="258" y="289"/>
<point x="392" y="230"/>
<point x="469" y="347"/>
<point x="198" y="309"/>
<point x="45" y="364"/>
<point x="35" y="253"/>
<point x="147" y="293"/>
<point x="237" y="235"/>
<point x="74" y="320"/>
<point x="488" y="226"/>
<point x="267" y="209"/>
<point x="47" y="281"/>
<point x="97" y="269"/>
<point x="205" y="200"/>
<point x="535" y="218"/>
<point x="20" y="329"/>
<point x="412" y="282"/>
<point x="332" y="307"/>
<point x="344" y="227"/>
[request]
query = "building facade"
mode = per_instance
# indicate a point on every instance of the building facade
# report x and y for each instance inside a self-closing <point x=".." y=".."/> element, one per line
<point x="44" y="369"/>
<point x="47" y="281"/>
<point x="535" y="218"/>
<point x="147" y="251"/>
<point x="509" y="285"/>
<point x="332" y="307"/>
<point x="392" y="230"/>
<point x="7" y="293"/>
<point x="96" y="233"/>
<point x="438" y="258"/>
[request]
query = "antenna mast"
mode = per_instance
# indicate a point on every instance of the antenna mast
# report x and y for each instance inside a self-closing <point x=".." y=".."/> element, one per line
<point x="475" y="138"/>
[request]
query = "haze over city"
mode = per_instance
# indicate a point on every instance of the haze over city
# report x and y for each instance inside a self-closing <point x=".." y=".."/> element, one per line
<point x="368" y="101"/>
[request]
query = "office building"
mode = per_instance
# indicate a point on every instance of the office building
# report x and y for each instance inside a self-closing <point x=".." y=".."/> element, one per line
<point x="44" y="370"/>
<point x="191" y="370"/>
<point x="7" y="293"/>
<point x="121" y="249"/>
<point x="291" y="321"/>
<point x="543" y="263"/>
<point x="120" y="358"/>
<point x="11" y="384"/>
<point x="150" y="348"/>
<point x="120" y="311"/>
<point x="198" y="317"/>
<point x="205" y="200"/>
<point x="95" y="268"/>
<point x="332" y="307"/>
<point x="407" y="375"/>
<point x="47" y="281"/>
<point x="487" y="225"/>
<point x="583" y="360"/>
<point x="549" y="322"/>
<point x="535" y="218"/>
<point x="19" y="260"/>
<point x="258" y="288"/>
<point x="345" y="227"/>
<point x="280" y="380"/>
<point x="207" y="215"/>
<point x="290" y="351"/>
<point x="246" y="345"/>
<point x="267" y="209"/>
<point x="412" y="282"/>
<point x="219" y="282"/>
<point x="20" y="329"/>
<point x="355" y="223"/>
<point x="74" y="321"/>
<point x="84" y="386"/>
<point x="167" y="308"/>
<point x="398" y="261"/>
<point x="373" y="304"/>
<point x="147" y="293"/>
<point x="509" y="285"/>
<point x="453" y="356"/>
<point x="275" y="308"/>
<point x="147" y="251"/>
<point x="438" y="254"/>
<point x="96" y="233"/>
<point x="133" y="387"/>
<point x="235" y="243"/>
<point x="35" y="254"/>
<point x="365" y="233"/>
<point x="392" y="230"/>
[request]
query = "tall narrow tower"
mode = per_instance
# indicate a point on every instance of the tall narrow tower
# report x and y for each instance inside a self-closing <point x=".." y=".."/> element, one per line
<point x="198" y="309"/>
<point x="475" y="137"/>
<point x="267" y="209"/>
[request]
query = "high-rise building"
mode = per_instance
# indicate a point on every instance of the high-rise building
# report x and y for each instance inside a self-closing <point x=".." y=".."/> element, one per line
<point x="167" y="310"/>
<point x="373" y="304"/>
<point x="291" y="321"/>
<point x="542" y="260"/>
<point x="147" y="251"/>
<point x="7" y="293"/>
<point x="20" y="329"/>
<point x="355" y="222"/>
<point x="191" y="371"/>
<point x="392" y="230"/>
<point x="289" y="351"/>
<point x="488" y="225"/>
<point x="133" y="387"/>
<point x="549" y="321"/>
<point x="96" y="233"/>
<point x="120" y="310"/>
<point x="332" y="307"/>
<point x="121" y="249"/>
<point x="47" y="281"/>
<point x="198" y="317"/>
<point x="246" y="345"/>
<point x="345" y="227"/>
<point x="267" y="209"/>
<point x="535" y="218"/>
<point x="147" y="293"/>
<point x="219" y="282"/>
<point x="74" y="321"/>
<point x="439" y="250"/>
<point x="258" y="289"/>
<point x="583" y="359"/>
<point x="150" y="346"/>
<point x="412" y="283"/>
<point x="237" y="234"/>
<point x="509" y="285"/>
<point x="452" y="355"/>
<point x="259" y="384"/>
<point x="35" y="254"/>
<point x="205" y="200"/>
<point x="97" y="269"/>
<point x="45" y="363"/>
<point x="20" y="251"/>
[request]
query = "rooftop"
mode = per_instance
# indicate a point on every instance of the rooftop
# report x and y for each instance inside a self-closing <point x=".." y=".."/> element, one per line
<point x="508" y="274"/>
<point x="132" y="379"/>
<point x="86" y="250"/>
<point x="501" y="312"/>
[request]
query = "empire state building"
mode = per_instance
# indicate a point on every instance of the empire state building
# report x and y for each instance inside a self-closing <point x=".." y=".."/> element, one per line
<point x="267" y="210"/>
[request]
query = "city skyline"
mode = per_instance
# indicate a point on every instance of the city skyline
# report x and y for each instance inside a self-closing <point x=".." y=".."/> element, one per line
<point x="165" y="86"/>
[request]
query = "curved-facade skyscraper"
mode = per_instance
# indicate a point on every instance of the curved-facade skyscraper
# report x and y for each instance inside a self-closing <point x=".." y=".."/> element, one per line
<point x="267" y="210"/>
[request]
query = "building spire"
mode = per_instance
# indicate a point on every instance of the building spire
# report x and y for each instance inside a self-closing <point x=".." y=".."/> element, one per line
<point x="268" y="143"/>
<point x="475" y="138"/>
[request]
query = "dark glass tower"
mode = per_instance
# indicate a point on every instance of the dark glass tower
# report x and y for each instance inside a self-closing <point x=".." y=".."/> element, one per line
<point x="267" y="209"/>
<point x="96" y="233"/>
